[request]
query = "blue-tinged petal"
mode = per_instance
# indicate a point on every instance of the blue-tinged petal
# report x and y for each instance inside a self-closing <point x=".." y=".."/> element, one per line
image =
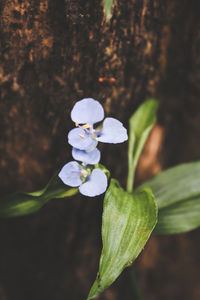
<point x="95" y="185"/>
<point x="91" y="158"/>
<point x="70" y="174"/>
<point x="88" y="111"/>
<point x="113" y="131"/>
<point x="80" y="139"/>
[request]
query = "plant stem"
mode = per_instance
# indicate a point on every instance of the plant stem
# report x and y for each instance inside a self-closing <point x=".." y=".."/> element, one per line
<point x="131" y="169"/>
<point x="130" y="179"/>
<point x="137" y="295"/>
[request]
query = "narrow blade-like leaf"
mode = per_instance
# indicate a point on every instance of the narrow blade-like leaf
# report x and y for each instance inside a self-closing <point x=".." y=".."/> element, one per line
<point x="178" y="218"/>
<point x="140" y="125"/>
<point x="177" y="193"/>
<point x="128" y="220"/>
<point x="19" y="204"/>
<point x="108" y="8"/>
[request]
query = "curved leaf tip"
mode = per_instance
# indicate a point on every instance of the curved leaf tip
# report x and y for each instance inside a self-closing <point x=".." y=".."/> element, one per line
<point x="128" y="220"/>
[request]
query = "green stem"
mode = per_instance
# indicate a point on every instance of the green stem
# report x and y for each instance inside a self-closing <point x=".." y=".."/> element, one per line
<point x="130" y="179"/>
<point x="131" y="167"/>
<point x="137" y="295"/>
<point x="129" y="187"/>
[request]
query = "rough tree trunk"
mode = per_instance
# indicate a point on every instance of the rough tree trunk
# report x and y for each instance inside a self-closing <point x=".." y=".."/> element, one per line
<point x="53" y="53"/>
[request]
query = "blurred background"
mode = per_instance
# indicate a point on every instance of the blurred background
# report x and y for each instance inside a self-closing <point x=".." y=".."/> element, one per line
<point x="52" y="54"/>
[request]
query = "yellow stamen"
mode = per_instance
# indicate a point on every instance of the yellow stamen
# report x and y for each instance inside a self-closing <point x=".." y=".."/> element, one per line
<point x="81" y="135"/>
<point x="84" y="173"/>
<point x="86" y="126"/>
<point x="76" y="124"/>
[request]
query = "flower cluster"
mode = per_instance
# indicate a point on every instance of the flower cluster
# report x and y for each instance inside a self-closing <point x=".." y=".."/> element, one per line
<point x="84" y="139"/>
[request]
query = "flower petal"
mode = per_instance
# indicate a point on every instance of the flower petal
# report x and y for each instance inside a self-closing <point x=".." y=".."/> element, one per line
<point x="80" y="139"/>
<point x="88" y="111"/>
<point x="70" y="174"/>
<point x="95" y="185"/>
<point x="113" y="131"/>
<point x="92" y="157"/>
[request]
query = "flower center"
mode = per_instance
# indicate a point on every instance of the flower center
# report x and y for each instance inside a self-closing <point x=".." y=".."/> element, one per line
<point x="88" y="130"/>
<point x="84" y="173"/>
<point x="86" y="126"/>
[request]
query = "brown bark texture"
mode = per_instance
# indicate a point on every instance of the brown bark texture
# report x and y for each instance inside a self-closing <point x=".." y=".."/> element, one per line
<point x="53" y="53"/>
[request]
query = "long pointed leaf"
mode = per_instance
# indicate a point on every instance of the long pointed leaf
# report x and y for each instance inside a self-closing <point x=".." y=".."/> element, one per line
<point x="181" y="217"/>
<point x="177" y="193"/>
<point x="128" y="220"/>
<point x="19" y="204"/>
<point x="140" y="125"/>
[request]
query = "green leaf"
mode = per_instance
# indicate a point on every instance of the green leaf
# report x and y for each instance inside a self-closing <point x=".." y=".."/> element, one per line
<point x="178" y="218"/>
<point x="108" y="8"/>
<point x="140" y="125"/>
<point x="19" y="204"/>
<point x="128" y="220"/>
<point x="177" y="193"/>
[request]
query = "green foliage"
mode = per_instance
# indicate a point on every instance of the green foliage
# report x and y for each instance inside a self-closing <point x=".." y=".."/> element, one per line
<point x="19" y="204"/>
<point x="140" y="125"/>
<point x="128" y="220"/>
<point x="128" y="217"/>
<point x="177" y="192"/>
<point x="108" y="8"/>
<point x="180" y="217"/>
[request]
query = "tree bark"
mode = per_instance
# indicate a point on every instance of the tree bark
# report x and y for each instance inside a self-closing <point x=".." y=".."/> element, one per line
<point x="53" y="54"/>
